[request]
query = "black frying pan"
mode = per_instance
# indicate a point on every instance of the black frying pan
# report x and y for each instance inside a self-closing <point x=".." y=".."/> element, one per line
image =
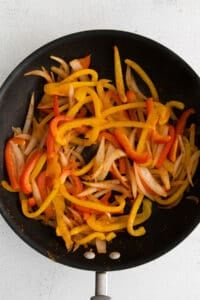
<point x="174" y="80"/>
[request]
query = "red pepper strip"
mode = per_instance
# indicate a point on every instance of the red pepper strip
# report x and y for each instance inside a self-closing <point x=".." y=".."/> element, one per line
<point x="149" y="105"/>
<point x="85" y="61"/>
<point x="42" y="185"/>
<point x="181" y="123"/>
<point x="167" y="147"/>
<point x="122" y="165"/>
<point x="180" y="127"/>
<point x="110" y="137"/>
<point x="25" y="185"/>
<point x="105" y="198"/>
<point x="77" y="185"/>
<point x="54" y="123"/>
<point x="11" y="166"/>
<point x="50" y="145"/>
<point x="130" y="95"/>
<point x="131" y="153"/>
<point x="82" y="113"/>
<point x="160" y="139"/>
<point x="55" y="105"/>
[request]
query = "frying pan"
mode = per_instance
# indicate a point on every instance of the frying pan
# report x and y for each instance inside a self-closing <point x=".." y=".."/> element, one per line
<point x="173" y="78"/>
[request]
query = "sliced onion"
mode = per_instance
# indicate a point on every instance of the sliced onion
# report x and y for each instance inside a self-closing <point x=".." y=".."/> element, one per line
<point x="191" y="167"/>
<point x="101" y="246"/>
<point x="113" y="185"/>
<point x="140" y="184"/>
<point x="19" y="157"/>
<point x="131" y="83"/>
<point x="36" y="192"/>
<point x="178" y="165"/>
<point x="87" y="192"/>
<point x="42" y="73"/>
<point x="100" y="155"/>
<point x="164" y="176"/>
<point x="29" y="116"/>
<point x="132" y="181"/>
<point x="75" y="65"/>
<point x="62" y="63"/>
<point x="76" y="215"/>
<point x="150" y="181"/>
<point x="119" y="176"/>
<point x="31" y="145"/>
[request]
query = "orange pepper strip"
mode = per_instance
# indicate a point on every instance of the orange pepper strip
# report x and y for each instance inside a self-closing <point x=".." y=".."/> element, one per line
<point x="131" y="153"/>
<point x="181" y="123"/>
<point x="105" y="198"/>
<point x="55" y="105"/>
<point x="54" y="123"/>
<point x="110" y="137"/>
<point x="25" y="185"/>
<point x="31" y="202"/>
<point x="50" y="144"/>
<point x="130" y="95"/>
<point x="119" y="75"/>
<point x="149" y="105"/>
<point x="167" y="147"/>
<point x="160" y="139"/>
<point x="180" y="127"/>
<point x="11" y="166"/>
<point x="85" y="61"/>
<point x="42" y="185"/>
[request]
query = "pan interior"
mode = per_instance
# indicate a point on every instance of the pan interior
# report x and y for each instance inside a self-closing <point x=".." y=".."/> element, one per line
<point x="173" y="78"/>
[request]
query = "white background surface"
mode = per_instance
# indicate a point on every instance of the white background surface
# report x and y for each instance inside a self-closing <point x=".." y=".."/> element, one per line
<point x="25" y="26"/>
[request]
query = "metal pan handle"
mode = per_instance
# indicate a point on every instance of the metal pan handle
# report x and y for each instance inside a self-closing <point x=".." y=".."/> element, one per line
<point x="101" y="287"/>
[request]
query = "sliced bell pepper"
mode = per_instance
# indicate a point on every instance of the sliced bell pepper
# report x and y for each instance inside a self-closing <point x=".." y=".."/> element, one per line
<point x="131" y="96"/>
<point x="55" y="105"/>
<point x="25" y="185"/>
<point x="149" y="105"/>
<point x="179" y="130"/>
<point x="167" y="147"/>
<point x="131" y="153"/>
<point x="160" y="139"/>
<point x="110" y="137"/>
<point x="55" y="121"/>
<point x="85" y="61"/>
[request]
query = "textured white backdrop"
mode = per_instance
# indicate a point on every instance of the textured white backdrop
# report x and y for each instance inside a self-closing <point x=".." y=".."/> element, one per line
<point x="25" y="26"/>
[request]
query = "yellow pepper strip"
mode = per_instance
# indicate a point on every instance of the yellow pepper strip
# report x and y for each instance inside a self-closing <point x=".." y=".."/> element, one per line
<point x="104" y="227"/>
<point x="83" y="72"/>
<point x="145" y="214"/>
<point x="176" y="104"/>
<point x="164" y="113"/>
<point x="90" y="237"/>
<point x="93" y="205"/>
<point x="85" y="169"/>
<point x="118" y="108"/>
<point x="117" y="124"/>
<point x="63" y="128"/>
<point x="39" y="165"/>
<point x="79" y="229"/>
<point x="44" y="204"/>
<point x="46" y="119"/>
<point x="59" y="205"/>
<point x="144" y="77"/>
<point x="119" y="75"/>
<point x="81" y="94"/>
<point x="175" y="196"/>
<point x="75" y="109"/>
<point x="7" y="186"/>
<point x="62" y="89"/>
<point x="132" y="215"/>
<point x="169" y="166"/>
<point x="110" y="236"/>
<point x="101" y="85"/>
<point x="150" y="123"/>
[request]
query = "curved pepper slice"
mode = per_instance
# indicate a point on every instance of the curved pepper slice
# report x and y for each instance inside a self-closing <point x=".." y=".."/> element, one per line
<point x="126" y="145"/>
<point x="24" y="181"/>
<point x="167" y="147"/>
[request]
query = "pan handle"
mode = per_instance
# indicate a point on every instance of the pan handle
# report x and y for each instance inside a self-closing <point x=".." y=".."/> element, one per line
<point x="100" y="287"/>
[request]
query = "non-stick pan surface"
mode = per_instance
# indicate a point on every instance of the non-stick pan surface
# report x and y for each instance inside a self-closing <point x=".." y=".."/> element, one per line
<point x="174" y="80"/>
